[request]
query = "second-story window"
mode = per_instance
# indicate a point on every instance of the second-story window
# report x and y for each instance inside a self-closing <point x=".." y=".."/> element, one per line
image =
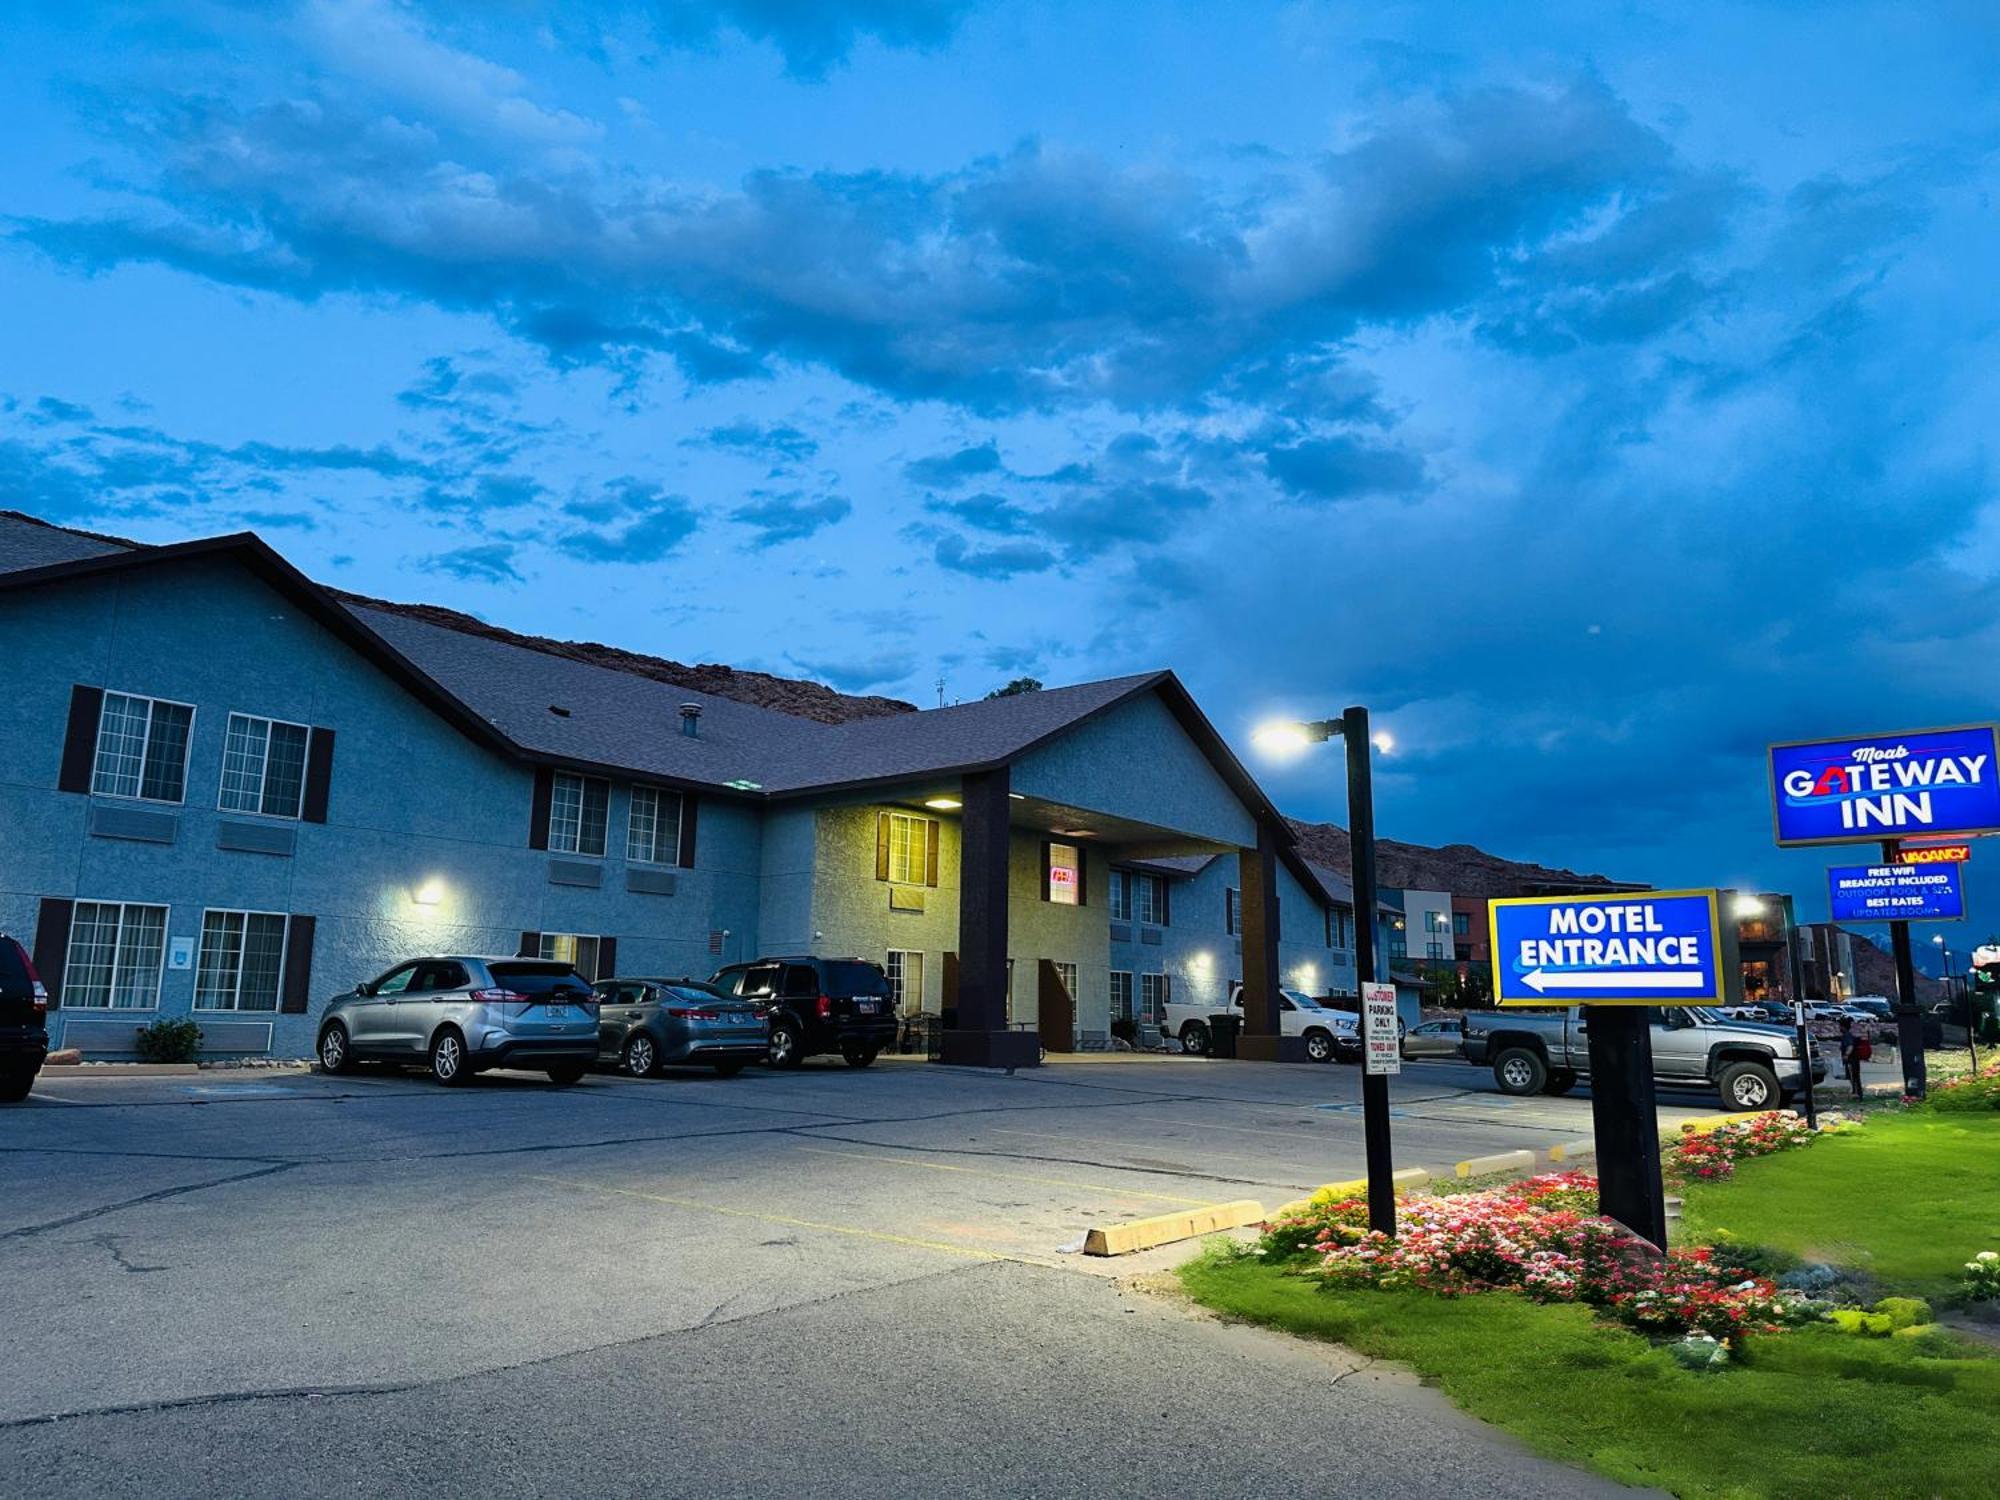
<point x="1065" y="875"/>
<point x="1232" y="910"/>
<point x="905" y="845"/>
<point x="141" y="748"/>
<point x="263" y="766"/>
<point x="579" y="807"/>
<point x="653" y="835"/>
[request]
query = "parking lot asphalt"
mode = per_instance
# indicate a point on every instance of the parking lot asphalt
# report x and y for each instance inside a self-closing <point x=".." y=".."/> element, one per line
<point x="317" y="1265"/>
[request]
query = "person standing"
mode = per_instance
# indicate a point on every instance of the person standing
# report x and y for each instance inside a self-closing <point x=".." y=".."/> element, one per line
<point x="1854" y="1051"/>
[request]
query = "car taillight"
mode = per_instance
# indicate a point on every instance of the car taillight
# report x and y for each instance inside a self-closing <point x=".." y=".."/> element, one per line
<point x="825" y="1006"/>
<point x="681" y="1013"/>
<point x="35" y="986"/>
<point x="499" y="997"/>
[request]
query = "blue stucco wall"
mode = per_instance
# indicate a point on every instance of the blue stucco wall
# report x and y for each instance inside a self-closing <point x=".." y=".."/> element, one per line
<point x="412" y="800"/>
<point x="1137" y="762"/>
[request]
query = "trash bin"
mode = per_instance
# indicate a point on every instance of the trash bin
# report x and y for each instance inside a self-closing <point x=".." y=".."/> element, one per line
<point x="1222" y="1033"/>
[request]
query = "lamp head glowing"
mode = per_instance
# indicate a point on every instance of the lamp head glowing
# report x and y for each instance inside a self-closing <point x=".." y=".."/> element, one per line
<point x="1747" y="906"/>
<point x="1383" y="740"/>
<point x="943" y="804"/>
<point x="1281" y="737"/>
<point x="430" y="893"/>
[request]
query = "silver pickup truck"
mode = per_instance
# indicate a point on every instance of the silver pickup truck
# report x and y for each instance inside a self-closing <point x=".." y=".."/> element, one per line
<point x="1752" y="1065"/>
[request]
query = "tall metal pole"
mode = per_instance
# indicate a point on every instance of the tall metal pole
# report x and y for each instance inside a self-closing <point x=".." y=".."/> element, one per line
<point x="1796" y="979"/>
<point x="1374" y="1086"/>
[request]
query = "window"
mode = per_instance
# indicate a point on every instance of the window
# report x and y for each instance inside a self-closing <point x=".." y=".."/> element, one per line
<point x="263" y="766"/>
<point x="1341" y="919"/>
<point x="1232" y="911"/>
<point x="906" y="980"/>
<point x="1461" y="924"/>
<point x="1121" y="996"/>
<point x="579" y="952"/>
<point x="242" y="956"/>
<point x="115" y="952"/>
<point x="1153" y="993"/>
<point x="909" y="844"/>
<point x="653" y="834"/>
<point x="141" y="748"/>
<point x="1138" y="898"/>
<point x="1065" y="875"/>
<point x="579" y="807"/>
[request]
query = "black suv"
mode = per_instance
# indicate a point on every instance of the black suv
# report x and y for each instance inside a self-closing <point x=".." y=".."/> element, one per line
<point x="24" y="1016"/>
<point x="817" y="1005"/>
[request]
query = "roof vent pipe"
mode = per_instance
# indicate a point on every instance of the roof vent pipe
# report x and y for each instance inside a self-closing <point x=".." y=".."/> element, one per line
<point x="691" y="720"/>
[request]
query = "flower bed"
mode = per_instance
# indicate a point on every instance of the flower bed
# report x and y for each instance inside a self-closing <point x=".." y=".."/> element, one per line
<point x="1974" y="1091"/>
<point x="1538" y="1239"/>
<point x="1705" y="1155"/>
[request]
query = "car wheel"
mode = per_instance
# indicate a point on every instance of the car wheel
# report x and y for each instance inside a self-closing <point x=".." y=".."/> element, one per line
<point x="14" y="1087"/>
<point x="642" y="1058"/>
<point x="788" y="1047"/>
<point x="1561" y="1081"/>
<point x="1319" y="1045"/>
<point x="334" y="1056"/>
<point x="1194" y="1039"/>
<point x="449" y="1065"/>
<point x="858" y="1057"/>
<point x="568" y="1074"/>
<point x="728" y="1069"/>
<point x="1747" y="1086"/>
<point x="1519" y="1071"/>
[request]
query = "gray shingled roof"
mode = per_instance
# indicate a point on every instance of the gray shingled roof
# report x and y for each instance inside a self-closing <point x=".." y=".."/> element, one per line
<point x="28" y="543"/>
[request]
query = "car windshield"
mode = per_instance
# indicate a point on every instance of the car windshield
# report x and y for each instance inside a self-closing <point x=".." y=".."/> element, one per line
<point x="538" y="979"/>
<point x="1302" y="1001"/>
<point x="855" y="979"/>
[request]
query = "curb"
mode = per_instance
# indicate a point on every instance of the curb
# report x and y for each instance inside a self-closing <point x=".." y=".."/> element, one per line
<point x="1355" y="1187"/>
<point x="67" y="1071"/>
<point x="1569" y="1151"/>
<point x="1499" y="1161"/>
<point x="1164" y="1229"/>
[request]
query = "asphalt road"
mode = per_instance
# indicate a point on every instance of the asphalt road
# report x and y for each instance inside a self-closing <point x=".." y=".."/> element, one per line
<point x="839" y="1281"/>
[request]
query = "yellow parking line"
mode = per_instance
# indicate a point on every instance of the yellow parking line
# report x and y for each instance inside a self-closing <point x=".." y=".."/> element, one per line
<point x="746" y="1213"/>
<point x="935" y="1166"/>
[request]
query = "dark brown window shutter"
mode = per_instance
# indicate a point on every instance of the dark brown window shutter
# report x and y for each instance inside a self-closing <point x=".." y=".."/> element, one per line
<point x="881" y="846"/>
<point x="297" y="994"/>
<point x="1047" y="856"/>
<point x="52" y="944"/>
<point x="79" y="753"/>
<point x="931" y="852"/>
<point x="1082" y="877"/>
<point x="531" y="945"/>
<point x="607" y="958"/>
<point x="319" y="776"/>
<point x="690" y="818"/>
<point x="1166" y="912"/>
<point x="538" y="809"/>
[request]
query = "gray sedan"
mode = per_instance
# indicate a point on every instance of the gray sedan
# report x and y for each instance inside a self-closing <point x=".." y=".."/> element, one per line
<point x="646" y="1024"/>
<point x="1434" y="1039"/>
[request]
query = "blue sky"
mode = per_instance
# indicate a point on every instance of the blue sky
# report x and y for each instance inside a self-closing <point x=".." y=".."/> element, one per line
<point x="1598" y="392"/>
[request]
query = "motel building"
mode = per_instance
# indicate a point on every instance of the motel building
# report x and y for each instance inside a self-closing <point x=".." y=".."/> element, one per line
<point x="231" y="793"/>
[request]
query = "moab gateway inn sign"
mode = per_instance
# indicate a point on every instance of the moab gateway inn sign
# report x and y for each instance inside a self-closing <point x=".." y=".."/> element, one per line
<point x="1927" y="782"/>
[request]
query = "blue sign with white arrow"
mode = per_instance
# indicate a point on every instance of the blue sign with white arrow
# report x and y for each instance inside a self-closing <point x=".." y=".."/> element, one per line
<point x="1895" y="893"/>
<point x="1634" y="948"/>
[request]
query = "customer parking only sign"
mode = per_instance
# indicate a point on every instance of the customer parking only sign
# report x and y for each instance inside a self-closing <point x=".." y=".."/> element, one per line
<point x="1891" y="786"/>
<point x="1636" y="948"/>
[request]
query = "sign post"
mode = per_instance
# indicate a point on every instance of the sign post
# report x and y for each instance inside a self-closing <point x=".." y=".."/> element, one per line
<point x="1616" y="956"/>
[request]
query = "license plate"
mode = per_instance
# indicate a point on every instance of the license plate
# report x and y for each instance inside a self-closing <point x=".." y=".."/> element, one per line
<point x="865" y="1007"/>
<point x="557" y="1012"/>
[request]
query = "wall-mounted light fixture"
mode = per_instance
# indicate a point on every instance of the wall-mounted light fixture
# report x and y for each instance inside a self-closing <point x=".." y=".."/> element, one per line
<point x="944" y="804"/>
<point x="430" y="893"/>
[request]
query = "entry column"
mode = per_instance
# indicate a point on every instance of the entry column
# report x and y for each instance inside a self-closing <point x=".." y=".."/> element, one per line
<point x="981" y="1038"/>
<point x="1257" y="880"/>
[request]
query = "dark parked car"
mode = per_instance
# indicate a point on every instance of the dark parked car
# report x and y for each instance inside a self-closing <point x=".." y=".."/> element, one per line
<point x="817" y="1005"/>
<point x="462" y="1014"/>
<point x="24" y="1014"/>
<point x="645" y="1024"/>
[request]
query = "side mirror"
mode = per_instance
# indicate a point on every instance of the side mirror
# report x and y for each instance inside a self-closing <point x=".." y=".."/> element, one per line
<point x="364" y="989"/>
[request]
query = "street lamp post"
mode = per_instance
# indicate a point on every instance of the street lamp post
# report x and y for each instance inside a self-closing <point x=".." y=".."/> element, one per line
<point x="1352" y="727"/>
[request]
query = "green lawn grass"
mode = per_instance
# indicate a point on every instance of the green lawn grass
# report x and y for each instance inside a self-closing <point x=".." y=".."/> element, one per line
<point x="1810" y="1413"/>
<point x="1909" y="1198"/>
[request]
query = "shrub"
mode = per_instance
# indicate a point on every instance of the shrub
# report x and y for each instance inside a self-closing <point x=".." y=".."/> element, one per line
<point x="168" y="1042"/>
<point x="1982" y="1277"/>
<point x="1862" y="1324"/>
<point x="1904" y="1312"/>
<point x="1930" y="1340"/>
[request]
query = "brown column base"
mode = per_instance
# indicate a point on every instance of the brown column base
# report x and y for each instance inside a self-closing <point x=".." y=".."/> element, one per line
<point x="1271" y="1049"/>
<point x="990" y="1049"/>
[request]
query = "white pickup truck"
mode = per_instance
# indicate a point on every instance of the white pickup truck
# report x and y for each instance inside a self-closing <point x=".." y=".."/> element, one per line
<point x="1328" y="1034"/>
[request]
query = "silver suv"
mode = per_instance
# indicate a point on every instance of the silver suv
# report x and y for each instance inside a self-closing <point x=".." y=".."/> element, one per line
<point x="461" y="1014"/>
